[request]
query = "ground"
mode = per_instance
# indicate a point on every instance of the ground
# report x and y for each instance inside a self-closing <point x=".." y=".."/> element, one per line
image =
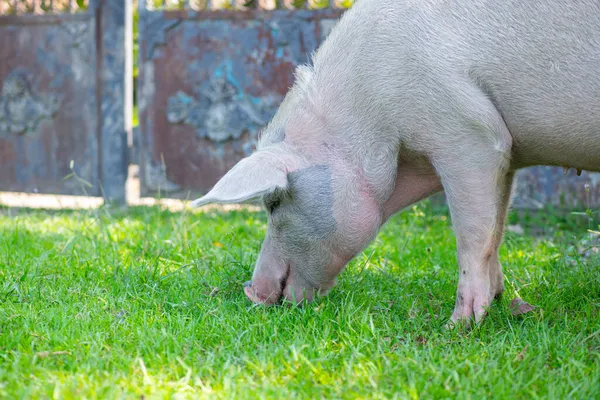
<point x="148" y="303"/>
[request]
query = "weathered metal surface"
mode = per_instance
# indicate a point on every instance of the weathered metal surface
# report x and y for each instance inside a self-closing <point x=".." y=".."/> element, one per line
<point x="22" y="110"/>
<point x="61" y="102"/>
<point x="48" y="117"/>
<point x="208" y="82"/>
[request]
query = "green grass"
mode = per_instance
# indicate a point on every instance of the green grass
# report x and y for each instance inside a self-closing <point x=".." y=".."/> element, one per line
<point x="149" y="303"/>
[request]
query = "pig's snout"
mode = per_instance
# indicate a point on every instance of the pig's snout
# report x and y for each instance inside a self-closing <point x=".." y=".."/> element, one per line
<point x="269" y="291"/>
<point x="265" y="289"/>
<point x="261" y="297"/>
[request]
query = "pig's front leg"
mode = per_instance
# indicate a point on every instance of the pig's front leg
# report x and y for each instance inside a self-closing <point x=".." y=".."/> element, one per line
<point x="475" y="198"/>
<point x="477" y="182"/>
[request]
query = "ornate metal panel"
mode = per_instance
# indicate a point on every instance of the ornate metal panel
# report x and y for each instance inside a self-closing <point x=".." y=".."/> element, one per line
<point x="208" y="81"/>
<point x="62" y="98"/>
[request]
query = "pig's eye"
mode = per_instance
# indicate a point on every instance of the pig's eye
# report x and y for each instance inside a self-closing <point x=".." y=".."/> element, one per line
<point x="272" y="204"/>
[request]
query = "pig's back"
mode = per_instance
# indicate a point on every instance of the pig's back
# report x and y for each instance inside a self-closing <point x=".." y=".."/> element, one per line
<point x="538" y="61"/>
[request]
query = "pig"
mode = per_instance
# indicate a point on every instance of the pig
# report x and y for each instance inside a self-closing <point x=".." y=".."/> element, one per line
<point x="407" y="98"/>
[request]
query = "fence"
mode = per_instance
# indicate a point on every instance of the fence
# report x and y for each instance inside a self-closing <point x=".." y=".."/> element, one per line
<point x="211" y="73"/>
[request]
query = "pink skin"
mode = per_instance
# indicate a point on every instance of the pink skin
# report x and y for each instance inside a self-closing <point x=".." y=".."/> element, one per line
<point x="271" y="271"/>
<point x="415" y="181"/>
<point x="275" y="278"/>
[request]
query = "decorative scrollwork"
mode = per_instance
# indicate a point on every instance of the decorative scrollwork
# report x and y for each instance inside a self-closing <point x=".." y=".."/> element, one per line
<point x="21" y="110"/>
<point x="220" y="114"/>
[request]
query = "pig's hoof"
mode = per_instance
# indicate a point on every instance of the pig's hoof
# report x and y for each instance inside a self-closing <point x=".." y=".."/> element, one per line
<point x="470" y="308"/>
<point x="259" y="299"/>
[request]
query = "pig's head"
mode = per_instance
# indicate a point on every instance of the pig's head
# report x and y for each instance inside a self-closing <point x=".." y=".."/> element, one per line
<point x="321" y="213"/>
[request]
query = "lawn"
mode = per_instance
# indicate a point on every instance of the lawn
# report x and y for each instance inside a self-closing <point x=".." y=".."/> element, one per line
<point x="147" y="303"/>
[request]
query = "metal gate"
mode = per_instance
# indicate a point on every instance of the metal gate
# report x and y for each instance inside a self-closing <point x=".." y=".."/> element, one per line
<point x="208" y="80"/>
<point x="63" y="97"/>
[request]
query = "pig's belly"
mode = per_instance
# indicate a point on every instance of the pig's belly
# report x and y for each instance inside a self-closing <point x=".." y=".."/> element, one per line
<point x="568" y="148"/>
<point x="560" y="127"/>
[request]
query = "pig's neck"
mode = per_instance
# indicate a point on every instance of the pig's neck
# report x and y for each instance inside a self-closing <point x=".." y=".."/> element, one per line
<point x="330" y="120"/>
<point x="346" y="142"/>
<point x="383" y="173"/>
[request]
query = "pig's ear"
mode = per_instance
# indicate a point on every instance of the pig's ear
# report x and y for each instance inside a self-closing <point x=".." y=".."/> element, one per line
<point x="252" y="177"/>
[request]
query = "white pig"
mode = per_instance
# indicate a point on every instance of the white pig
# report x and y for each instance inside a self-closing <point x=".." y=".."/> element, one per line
<point x="407" y="98"/>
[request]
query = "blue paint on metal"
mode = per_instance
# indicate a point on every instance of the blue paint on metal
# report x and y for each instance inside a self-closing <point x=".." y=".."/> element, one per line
<point x="23" y="174"/>
<point x="234" y="75"/>
<point x="220" y="114"/>
<point x="153" y="28"/>
<point x="56" y="67"/>
<point x="57" y="108"/>
<point x="64" y="102"/>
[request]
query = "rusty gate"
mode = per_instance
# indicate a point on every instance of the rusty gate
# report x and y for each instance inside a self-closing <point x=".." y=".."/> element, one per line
<point x="208" y="80"/>
<point x="63" y="97"/>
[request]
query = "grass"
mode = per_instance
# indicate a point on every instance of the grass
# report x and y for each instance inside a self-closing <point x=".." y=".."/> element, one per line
<point x="147" y="303"/>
